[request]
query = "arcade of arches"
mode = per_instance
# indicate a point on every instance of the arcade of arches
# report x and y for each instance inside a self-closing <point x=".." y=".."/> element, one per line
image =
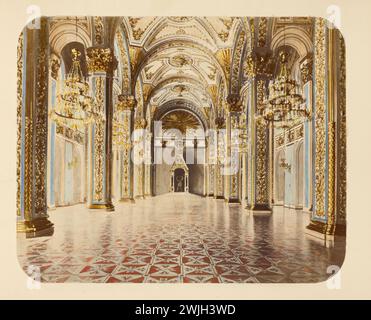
<point x="174" y="179"/>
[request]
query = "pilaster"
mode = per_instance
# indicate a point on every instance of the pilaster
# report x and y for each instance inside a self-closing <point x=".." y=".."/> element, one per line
<point x="32" y="120"/>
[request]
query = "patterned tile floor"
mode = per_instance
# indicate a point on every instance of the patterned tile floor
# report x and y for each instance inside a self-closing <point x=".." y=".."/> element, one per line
<point x="178" y="238"/>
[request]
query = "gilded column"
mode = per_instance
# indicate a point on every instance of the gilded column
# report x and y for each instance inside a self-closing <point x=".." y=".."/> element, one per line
<point x="306" y="69"/>
<point x="101" y="64"/>
<point x="126" y="105"/>
<point x="325" y="107"/>
<point x="211" y="158"/>
<point x="140" y="125"/>
<point x="232" y="169"/>
<point x="147" y="165"/>
<point x="220" y="158"/>
<point x="259" y="166"/>
<point x="32" y="120"/>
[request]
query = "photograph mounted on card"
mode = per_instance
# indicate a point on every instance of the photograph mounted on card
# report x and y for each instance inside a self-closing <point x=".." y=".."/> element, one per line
<point x="181" y="149"/>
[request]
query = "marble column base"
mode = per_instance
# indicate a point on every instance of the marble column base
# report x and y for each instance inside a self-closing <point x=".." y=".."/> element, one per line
<point x="127" y="200"/>
<point x="232" y="200"/>
<point x="323" y="231"/>
<point x="259" y="208"/>
<point x="107" y="206"/>
<point x="36" y="228"/>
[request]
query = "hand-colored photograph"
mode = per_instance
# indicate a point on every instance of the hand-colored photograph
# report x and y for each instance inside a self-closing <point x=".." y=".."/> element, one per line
<point x="181" y="149"/>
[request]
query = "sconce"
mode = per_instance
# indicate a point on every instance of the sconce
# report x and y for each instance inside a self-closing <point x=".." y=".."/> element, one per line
<point x="285" y="165"/>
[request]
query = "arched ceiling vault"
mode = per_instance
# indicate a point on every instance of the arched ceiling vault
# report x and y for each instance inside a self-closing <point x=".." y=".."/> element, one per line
<point x="186" y="58"/>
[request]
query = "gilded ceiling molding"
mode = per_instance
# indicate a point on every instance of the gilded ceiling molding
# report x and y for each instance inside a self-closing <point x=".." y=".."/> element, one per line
<point x="224" y="57"/>
<point x="145" y="58"/>
<point x="136" y="56"/>
<point x="171" y="81"/>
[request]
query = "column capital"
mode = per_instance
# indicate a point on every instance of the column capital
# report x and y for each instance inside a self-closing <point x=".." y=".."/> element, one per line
<point x="260" y="64"/>
<point x="234" y="103"/>
<point x="101" y="59"/>
<point x="220" y="122"/>
<point x="126" y="102"/>
<point x="140" y="123"/>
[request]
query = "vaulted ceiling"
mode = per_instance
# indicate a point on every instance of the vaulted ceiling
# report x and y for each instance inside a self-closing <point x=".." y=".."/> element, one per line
<point x="181" y="55"/>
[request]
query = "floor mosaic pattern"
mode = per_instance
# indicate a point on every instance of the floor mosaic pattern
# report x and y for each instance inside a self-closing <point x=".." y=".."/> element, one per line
<point x="179" y="238"/>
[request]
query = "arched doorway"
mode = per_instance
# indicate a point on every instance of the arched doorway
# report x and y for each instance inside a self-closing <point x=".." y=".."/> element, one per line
<point x="179" y="180"/>
<point x="178" y="143"/>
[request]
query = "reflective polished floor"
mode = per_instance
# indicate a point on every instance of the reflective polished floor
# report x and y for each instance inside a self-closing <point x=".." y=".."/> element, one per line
<point x="179" y="238"/>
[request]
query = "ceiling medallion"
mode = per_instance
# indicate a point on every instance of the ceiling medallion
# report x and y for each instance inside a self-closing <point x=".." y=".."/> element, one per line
<point x="180" y="60"/>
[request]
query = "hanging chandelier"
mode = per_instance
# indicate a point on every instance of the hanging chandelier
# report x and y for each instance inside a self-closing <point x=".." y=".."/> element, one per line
<point x="74" y="105"/>
<point x="284" y="103"/>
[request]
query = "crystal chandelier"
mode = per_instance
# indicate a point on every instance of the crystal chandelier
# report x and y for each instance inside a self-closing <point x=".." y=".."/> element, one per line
<point x="284" y="104"/>
<point x="74" y="105"/>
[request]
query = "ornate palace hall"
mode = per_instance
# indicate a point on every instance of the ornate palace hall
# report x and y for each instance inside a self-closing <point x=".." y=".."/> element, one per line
<point x="181" y="149"/>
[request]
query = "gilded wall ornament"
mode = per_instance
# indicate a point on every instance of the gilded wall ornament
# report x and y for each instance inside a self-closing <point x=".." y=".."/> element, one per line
<point x="54" y="68"/>
<point x="125" y="64"/>
<point x="262" y="31"/>
<point x="98" y="29"/>
<point x="306" y="69"/>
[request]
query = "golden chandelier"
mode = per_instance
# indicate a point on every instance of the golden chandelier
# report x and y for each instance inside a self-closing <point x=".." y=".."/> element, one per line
<point x="74" y="104"/>
<point x="75" y="107"/>
<point x="284" y="104"/>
